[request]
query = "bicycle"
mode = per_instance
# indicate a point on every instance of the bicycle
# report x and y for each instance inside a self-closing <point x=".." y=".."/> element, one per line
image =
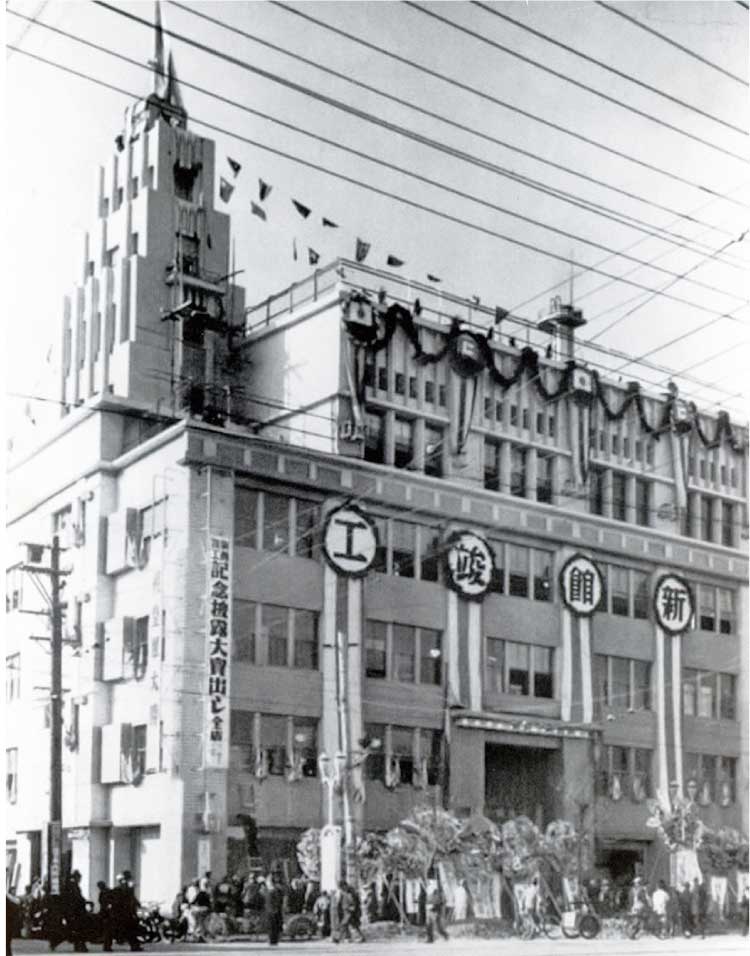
<point x="649" y="921"/>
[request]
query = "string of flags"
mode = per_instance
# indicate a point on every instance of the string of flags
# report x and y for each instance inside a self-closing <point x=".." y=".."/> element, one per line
<point x="361" y="248"/>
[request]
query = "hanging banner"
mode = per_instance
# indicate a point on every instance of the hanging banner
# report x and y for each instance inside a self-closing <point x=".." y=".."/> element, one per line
<point x="218" y="605"/>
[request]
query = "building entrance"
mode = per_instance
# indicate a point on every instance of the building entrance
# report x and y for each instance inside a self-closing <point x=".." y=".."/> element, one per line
<point x="518" y="781"/>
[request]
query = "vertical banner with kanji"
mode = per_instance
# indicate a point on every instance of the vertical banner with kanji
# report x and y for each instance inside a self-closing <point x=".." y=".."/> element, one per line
<point x="581" y="590"/>
<point x="218" y="618"/>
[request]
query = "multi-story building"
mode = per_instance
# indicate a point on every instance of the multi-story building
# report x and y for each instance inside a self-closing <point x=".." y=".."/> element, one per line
<point x="202" y="451"/>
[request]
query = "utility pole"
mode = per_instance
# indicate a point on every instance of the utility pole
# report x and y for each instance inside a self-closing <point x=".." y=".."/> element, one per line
<point x="35" y="567"/>
<point x="54" y="844"/>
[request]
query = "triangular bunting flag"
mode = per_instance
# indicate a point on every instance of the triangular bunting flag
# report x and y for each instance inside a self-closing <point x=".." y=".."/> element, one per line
<point x="256" y="210"/>
<point x="361" y="251"/>
<point x="500" y="314"/>
<point x="393" y="261"/>
<point x="225" y="189"/>
<point x="476" y="300"/>
<point x="235" y="166"/>
<point x="302" y="210"/>
<point x="330" y="223"/>
<point x="312" y="257"/>
<point x="432" y="278"/>
<point x="264" y="190"/>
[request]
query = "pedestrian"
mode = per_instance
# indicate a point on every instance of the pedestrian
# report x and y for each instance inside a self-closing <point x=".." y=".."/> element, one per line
<point x="12" y="920"/>
<point x="745" y="910"/>
<point x="124" y="908"/>
<point x="274" y="909"/>
<point x="699" y="906"/>
<point x="460" y="902"/>
<point x="659" y="904"/>
<point x="686" y="922"/>
<point x="322" y="913"/>
<point x="201" y="910"/>
<point x="355" y="913"/>
<point x="434" y="913"/>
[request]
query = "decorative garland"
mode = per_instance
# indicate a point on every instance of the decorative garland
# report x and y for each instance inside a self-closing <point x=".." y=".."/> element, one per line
<point x="397" y="316"/>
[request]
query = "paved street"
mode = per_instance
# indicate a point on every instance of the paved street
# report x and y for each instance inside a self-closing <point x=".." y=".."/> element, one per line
<point x="512" y="947"/>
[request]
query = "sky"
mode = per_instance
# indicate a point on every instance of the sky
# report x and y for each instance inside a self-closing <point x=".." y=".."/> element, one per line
<point x="60" y="127"/>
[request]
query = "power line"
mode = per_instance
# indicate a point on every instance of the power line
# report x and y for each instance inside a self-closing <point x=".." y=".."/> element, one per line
<point x="606" y="66"/>
<point x="671" y="42"/>
<point x="650" y="298"/>
<point x="492" y="99"/>
<point x="450" y="122"/>
<point x="387" y="194"/>
<point x="621" y="219"/>
<point x="569" y="79"/>
<point x="29" y="24"/>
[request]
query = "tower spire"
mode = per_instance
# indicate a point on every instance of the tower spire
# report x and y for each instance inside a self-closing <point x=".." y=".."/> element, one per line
<point x="160" y="73"/>
<point x="166" y="98"/>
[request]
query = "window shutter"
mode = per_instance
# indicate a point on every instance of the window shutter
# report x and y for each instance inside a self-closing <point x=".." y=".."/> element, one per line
<point x="116" y="543"/>
<point x="113" y="649"/>
<point x="152" y="746"/>
<point x="111" y="771"/>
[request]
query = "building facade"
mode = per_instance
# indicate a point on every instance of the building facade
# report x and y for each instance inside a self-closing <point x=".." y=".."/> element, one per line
<point x="213" y="648"/>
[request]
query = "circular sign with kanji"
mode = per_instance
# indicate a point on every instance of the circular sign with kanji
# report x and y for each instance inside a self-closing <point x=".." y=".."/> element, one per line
<point x="350" y="541"/>
<point x="673" y="603"/>
<point x="469" y="564"/>
<point x="581" y="585"/>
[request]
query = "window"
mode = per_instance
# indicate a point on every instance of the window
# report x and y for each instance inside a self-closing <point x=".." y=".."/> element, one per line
<point x="383" y="378"/>
<point x="12" y="677"/>
<point x="641" y="594"/>
<point x="243" y="631"/>
<point x="542" y="574"/>
<point x="492" y="465"/>
<point x="619" y="682"/>
<point x="733" y="477"/>
<point x="184" y="181"/>
<point x="305" y="639"/>
<point x="727" y="697"/>
<point x="495" y="665"/>
<point x="641" y="685"/>
<point x="429" y="391"/>
<point x="641" y="772"/>
<point x="430" y="657"/>
<point x="402" y="749"/>
<point x="380" y="563"/>
<point x="726" y="611"/>
<point x="706" y="515"/>
<point x="518" y="571"/>
<point x="619" y="590"/>
<point x="706" y="695"/>
<point x="273" y="740"/>
<point x="442" y="395"/>
<point x="497" y="582"/>
<point x="307" y="522"/>
<point x="433" y="451"/>
<point x="140" y="732"/>
<point x="275" y="522"/>
<point x="596" y="490"/>
<point x="727" y="780"/>
<point x="404" y="548"/>
<point x="430" y="751"/>
<point x="642" y="502"/>
<point x="542" y="663"/>
<point x="275" y="625"/>
<point x="403" y="442"/>
<point x="376" y="643"/>
<point x="540" y="423"/>
<point x="727" y="524"/>
<point x="11" y="775"/>
<point x="524" y="418"/>
<point x="551" y="426"/>
<point x="399" y="385"/>
<point x="723" y="473"/>
<point x="514" y="415"/>
<point x="707" y="608"/>
<point x="622" y="683"/>
<point x="615" y="444"/>
<point x="369" y="373"/>
<point x="518" y="472"/>
<point x="545" y="470"/>
<point x="498" y="411"/>
<point x="139" y="654"/>
<point x="412" y="386"/>
<point x="404" y="653"/>
<point x="689" y="692"/>
<point x="618" y="496"/>
<point x="429" y="553"/>
<point x="375" y="762"/>
<point x="245" y="517"/>
<point x="712" y="470"/>
<point x="112" y="257"/>
<point x="488" y="406"/>
<point x="305" y="737"/>
<point x="374" y="436"/>
<point x="626" y="447"/>
<point x="133" y="243"/>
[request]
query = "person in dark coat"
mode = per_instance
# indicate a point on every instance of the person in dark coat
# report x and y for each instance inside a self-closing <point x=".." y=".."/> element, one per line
<point x="123" y="924"/>
<point x="273" y="900"/>
<point x="76" y="916"/>
<point x="699" y="906"/>
<point x="12" y="920"/>
<point x="435" y="909"/>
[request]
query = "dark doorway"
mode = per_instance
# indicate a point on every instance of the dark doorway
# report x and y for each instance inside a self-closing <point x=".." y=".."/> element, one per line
<point x="622" y="865"/>
<point x="518" y="782"/>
